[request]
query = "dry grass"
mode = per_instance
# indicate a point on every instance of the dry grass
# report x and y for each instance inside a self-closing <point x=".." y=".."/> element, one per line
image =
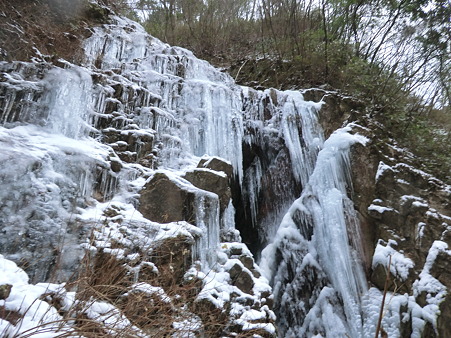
<point x="135" y="300"/>
<point x="133" y="312"/>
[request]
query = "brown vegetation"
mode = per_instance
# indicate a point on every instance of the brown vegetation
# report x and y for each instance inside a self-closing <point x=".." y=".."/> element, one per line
<point x="49" y="29"/>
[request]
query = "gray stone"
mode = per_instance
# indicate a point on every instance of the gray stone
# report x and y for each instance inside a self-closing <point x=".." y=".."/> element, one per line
<point x="5" y="290"/>
<point x="214" y="182"/>
<point x="163" y="200"/>
<point x="241" y="279"/>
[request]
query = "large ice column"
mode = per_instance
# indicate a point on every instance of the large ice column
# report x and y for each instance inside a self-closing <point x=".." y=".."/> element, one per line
<point x="212" y="121"/>
<point x="68" y="101"/>
<point x="282" y="139"/>
<point x="207" y="219"/>
<point x="313" y="240"/>
<point x="302" y="133"/>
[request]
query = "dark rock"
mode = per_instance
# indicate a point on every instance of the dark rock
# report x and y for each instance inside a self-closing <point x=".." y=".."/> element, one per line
<point x="5" y="290"/>
<point x="216" y="164"/>
<point x="256" y="273"/>
<point x="211" y="181"/>
<point x="236" y="251"/>
<point x="241" y="279"/>
<point x="116" y="164"/>
<point x="444" y="320"/>
<point x="247" y="261"/>
<point x="163" y="200"/>
<point x="441" y="269"/>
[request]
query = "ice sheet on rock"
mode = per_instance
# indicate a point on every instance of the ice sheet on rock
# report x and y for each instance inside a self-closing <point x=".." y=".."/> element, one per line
<point x="58" y="99"/>
<point x="117" y="43"/>
<point x="302" y="133"/>
<point x="46" y="177"/>
<point x="68" y="98"/>
<point x="319" y="223"/>
<point x="19" y="87"/>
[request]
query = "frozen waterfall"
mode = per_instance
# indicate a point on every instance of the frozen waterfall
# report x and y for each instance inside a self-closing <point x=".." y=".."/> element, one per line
<point x="311" y="263"/>
<point x="82" y="137"/>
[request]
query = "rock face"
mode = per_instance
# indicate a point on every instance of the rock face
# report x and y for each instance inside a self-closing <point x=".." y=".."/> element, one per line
<point x="406" y="214"/>
<point x="83" y="148"/>
<point x="86" y="147"/>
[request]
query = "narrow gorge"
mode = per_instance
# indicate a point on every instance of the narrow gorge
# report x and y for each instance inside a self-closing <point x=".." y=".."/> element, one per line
<point x="146" y="194"/>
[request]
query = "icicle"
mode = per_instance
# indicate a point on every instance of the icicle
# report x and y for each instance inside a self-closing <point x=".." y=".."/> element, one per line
<point x="228" y="230"/>
<point x="252" y="186"/>
<point x="108" y="184"/>
<point x="228" y="218"/>
<point x="207" y="219"/>
<point x="10" y="97"/>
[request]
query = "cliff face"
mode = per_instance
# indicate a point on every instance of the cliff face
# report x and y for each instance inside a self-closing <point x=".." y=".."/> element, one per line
<point x="143" y="177"/>
<point x="105" y="188"/>
<point x="405" y="212"/>
<point x="404" y="218"/>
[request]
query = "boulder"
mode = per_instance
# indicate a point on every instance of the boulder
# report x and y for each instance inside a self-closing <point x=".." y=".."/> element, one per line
<point x="5" y="290"/>
<point x="241" y="278"/>
<point x="216" y="164"/>
<point x="165" y="200"/>
<point x="213" y="181"/>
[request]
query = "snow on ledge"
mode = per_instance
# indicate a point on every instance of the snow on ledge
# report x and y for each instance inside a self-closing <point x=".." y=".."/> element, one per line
<point x="400" y="265"/>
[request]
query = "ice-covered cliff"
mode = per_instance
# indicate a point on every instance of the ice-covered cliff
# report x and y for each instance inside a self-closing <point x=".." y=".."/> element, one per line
<point x="135" y="182"/>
